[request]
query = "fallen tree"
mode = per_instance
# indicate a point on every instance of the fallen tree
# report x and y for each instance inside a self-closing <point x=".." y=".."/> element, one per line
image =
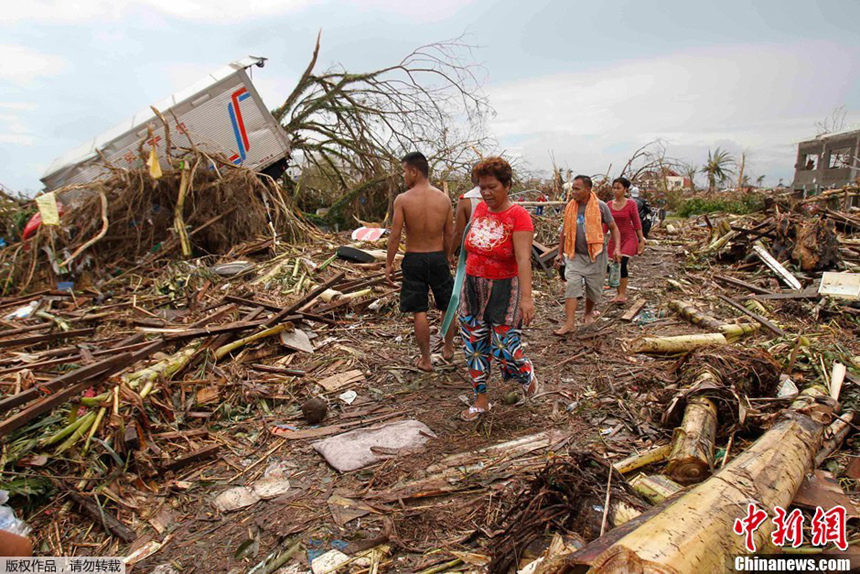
<point x="694" y="533"/>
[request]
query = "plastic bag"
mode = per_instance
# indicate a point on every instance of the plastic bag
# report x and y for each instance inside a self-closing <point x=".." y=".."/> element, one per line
<point x="8" y="521"/>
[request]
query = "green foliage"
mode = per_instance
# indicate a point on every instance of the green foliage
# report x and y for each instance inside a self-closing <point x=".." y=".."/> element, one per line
<point x="739" y="204"/>
<point x="718" y="167"/>
<point x="29" y="486"/>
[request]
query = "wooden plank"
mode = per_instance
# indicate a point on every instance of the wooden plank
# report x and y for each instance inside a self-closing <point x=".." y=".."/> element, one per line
<point x="765" y="323"/>
<point x="341" y="380"/>
<point x="787" y="295"/>
<point x="72" y="358"/>
<point x="333" y="429"/>
<point x="279" y="370"/>
<point x="225" y="338"/>
<point x="71" y="377"/>
<point x="19" y="330"/>
<point x="181" y="434"/>
<point x="23" y="341"/>
<point x="103" y="517"/>
<point x="777" y="267"/>
<point x="309" y="298"/>
<point x="196" y="456"/>
<point x="222" y="329"/>
<point x="633" y="310"/>
<point x="369" y="283"/>
<point x="273" y="307"/>
<point x="742" y="284"/>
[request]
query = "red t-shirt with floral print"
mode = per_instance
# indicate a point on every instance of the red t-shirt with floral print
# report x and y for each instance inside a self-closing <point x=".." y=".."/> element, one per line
<point x="490" y="241"/>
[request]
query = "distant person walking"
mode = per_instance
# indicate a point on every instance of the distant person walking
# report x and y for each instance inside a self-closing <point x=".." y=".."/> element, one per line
<point x="583" y="251"/>
<point x="463" y="213"/>
<point x="496" y="300"/>
<point x="625" y="212"/>
<point x="426" y="214"/>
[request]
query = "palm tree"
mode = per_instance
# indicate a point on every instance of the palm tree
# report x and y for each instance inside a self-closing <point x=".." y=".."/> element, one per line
<point x="718" y="167"/>
<point x="689" y="170"/>
<point x="759" y="181"/>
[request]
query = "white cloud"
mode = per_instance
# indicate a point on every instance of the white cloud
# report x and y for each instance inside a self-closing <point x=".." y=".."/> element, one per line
<point x="66" y="11"/>
<point x="759" y="97"/>
<point x="22" y="106"/>
<point x="22" y="66"/>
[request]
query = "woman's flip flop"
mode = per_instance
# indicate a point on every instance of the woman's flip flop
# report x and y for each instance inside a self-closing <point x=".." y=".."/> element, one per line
<point x="535" y="389"/>
<point x="473" y="413"/>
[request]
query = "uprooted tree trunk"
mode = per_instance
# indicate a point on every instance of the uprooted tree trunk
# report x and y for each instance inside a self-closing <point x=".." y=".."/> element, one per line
<point x="349" y="130"/>
<point x="695" y="532"/>
<point x="816" y="248"/>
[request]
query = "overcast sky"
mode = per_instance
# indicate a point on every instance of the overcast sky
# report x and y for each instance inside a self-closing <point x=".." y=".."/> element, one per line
<point x="587" y="81"/>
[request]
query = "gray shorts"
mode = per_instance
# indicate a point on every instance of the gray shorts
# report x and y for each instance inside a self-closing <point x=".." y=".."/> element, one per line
<point x="579" y="268"/>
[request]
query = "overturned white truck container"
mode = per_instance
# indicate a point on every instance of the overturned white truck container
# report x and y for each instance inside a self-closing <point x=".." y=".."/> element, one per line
<point x="221" y="115"/>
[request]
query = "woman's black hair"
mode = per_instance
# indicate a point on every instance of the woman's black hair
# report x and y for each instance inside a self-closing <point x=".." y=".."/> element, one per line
<point x="623" y="181"/>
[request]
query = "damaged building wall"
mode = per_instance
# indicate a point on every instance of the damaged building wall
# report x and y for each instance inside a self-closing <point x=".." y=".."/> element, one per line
<point x="826" y="162"/>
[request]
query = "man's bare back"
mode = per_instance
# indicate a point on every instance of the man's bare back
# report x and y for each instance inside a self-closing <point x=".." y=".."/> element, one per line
<point x="426" y="213"/>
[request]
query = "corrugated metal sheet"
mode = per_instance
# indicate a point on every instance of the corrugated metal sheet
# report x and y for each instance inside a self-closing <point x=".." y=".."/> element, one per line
<point x="222" y="114"/>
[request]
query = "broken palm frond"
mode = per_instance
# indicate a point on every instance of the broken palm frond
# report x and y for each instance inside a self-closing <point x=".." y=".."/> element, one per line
<point x="695" y="532"/>
<point x="677" y="344"/>
<point x="561" y="497"/>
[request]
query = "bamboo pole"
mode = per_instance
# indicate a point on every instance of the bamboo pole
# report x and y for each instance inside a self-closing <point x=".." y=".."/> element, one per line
<point x="678" y="344"/>
<point x="692" y="457"/>
<point x="221" y="352"/>
<point x="695" y="532"/>
<point x="178" y="217"/>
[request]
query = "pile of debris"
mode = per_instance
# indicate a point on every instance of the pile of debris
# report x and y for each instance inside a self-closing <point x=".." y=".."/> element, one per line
<point x="259" y="410"/>
<point x="201" y="205"/>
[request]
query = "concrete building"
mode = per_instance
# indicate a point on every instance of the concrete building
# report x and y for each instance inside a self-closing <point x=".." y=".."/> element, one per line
<point x="827" y="162"/>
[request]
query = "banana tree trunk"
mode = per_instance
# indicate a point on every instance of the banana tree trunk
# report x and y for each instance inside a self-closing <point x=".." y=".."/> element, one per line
<point x="695" y="533"/>
<point x="678" y="344"/>
<point x="692" y="458"/>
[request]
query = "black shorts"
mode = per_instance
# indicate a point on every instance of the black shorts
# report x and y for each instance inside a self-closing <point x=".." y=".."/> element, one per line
<point x="422" y="272"/>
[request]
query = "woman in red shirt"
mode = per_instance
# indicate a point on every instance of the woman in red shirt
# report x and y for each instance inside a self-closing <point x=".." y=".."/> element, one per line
<point x="496" y="300"/>
<point x="626" y="215"/>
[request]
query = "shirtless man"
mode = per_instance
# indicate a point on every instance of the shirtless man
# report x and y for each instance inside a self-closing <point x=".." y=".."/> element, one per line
<point x="426" y="213"/>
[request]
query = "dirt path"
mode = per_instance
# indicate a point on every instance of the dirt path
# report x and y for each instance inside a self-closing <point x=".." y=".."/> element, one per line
<point x="583" y="375"/>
